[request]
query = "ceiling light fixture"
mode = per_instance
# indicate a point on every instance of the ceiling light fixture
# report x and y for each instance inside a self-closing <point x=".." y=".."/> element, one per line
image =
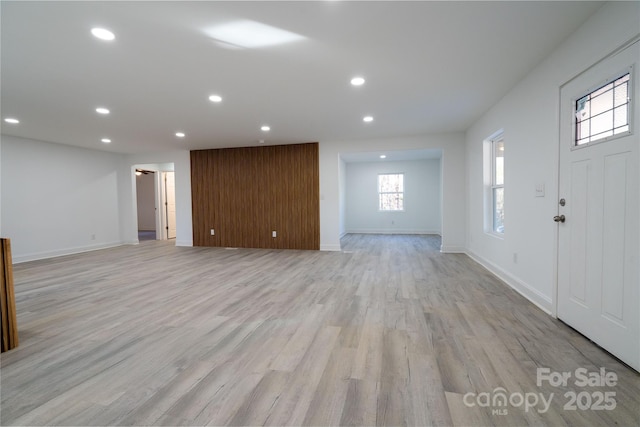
<point x="367" y="119"/>
<point x="357" y="81"/>
<point x="251" y="34"/>
<point x="102" y="110"/>
<point x="180" y="134"/>
<point x="265" y="128"/>
<point x="103" y="34"/>
<point x="106" y="140"/>
<point x="215" y="98"/>
<point x="383" y="156"/>
<point x="261" y="141"/>
<point x="12" y="120"/>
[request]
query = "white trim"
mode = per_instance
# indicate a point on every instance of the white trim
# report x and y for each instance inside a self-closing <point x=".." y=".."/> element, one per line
<point x="161" y="231"/>
<point x="452" y="250"/>
<point x="63" y="252"/>
<point x="391" y="231"/>
<point x="186" y="243"/>
<point x="540" y="300"/>
<point x="331" y="247"/>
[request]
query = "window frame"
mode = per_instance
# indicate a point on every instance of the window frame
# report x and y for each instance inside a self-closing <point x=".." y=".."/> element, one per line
<point x="630" y="116"/>
<point x="490" y="184"/>
<point x="390" y="192"/>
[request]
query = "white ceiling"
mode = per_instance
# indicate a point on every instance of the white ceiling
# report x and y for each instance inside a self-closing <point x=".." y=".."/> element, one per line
<point x="430" y="67"/>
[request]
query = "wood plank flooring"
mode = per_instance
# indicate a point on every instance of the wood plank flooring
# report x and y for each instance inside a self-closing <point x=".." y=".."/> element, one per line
<point x="388" y="332"/>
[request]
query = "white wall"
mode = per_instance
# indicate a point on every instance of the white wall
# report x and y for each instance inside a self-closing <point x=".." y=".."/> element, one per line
<point x="146" y="201"/>
<point x="453" y="181"/>
<point x="58" y="199"/>
<point x="529" y="116"/>
<point x="422" y="208"/>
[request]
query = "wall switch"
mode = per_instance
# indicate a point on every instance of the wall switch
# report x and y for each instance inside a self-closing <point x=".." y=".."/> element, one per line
<point x="539" y="189"/>
<point x="93" y="237"/>
<point x="273" y="233"/>
<point x="515" y="257"/>
<point x="213" y="232"/>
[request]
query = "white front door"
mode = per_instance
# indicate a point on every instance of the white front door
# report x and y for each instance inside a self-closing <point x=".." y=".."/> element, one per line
<point x="598" y="255"/>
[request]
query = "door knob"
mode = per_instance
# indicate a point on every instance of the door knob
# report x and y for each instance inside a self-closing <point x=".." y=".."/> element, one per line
<point x="559" y="218"/>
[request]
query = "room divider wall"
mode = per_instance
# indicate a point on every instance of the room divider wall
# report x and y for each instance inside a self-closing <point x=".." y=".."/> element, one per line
<point x="257" y="197"/>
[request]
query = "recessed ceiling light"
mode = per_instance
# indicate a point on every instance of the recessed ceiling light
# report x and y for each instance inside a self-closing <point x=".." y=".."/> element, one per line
<point x="180" y="134"/>
<point x="357" y="81"/>
<point x="215" y="98"/>
<point x="106" y="140"/>
<point x="103" y="34"/>
<point x="383" y="156"/>
<point x="261" y="141"/>
<point x="265" y="128"/>
<point x="367" y="119"/>
<point x="12" y="120"/>
<point x="102" y="110"/>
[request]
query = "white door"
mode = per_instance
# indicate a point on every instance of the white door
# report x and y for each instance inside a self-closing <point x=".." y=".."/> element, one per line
<point x="598" y="255"/>
<point x="170" y="203"/>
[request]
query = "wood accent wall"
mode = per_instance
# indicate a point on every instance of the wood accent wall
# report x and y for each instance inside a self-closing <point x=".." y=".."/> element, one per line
<point x="246" y="193"/>
<point x="7" y="298"/>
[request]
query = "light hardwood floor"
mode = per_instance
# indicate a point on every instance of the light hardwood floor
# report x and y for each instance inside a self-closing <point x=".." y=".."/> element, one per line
<point x="387" y="332"/>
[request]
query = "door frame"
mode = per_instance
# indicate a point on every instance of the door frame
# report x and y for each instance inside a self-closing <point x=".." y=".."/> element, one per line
<point x="162" y="208"/>
<point x="556" y="231"/>
<point x="160" y="196"/>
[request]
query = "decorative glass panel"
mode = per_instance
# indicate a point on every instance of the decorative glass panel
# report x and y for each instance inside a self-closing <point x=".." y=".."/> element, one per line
<point x="603" y="112"/>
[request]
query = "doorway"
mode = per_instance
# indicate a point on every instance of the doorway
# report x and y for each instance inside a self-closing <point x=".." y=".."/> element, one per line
<point x="598" y="290"/>
<point x="156" y="201"/>
<point x="146" y="204"/>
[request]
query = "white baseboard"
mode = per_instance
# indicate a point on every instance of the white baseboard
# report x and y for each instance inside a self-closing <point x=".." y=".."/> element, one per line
<point x="542" y="301"/>
<point x="17" y="259"/>
<point x="331" y="247"/>
<point x="184" y="242"/>
<point x="452" y="250"/>
<point x="390" y="231"/>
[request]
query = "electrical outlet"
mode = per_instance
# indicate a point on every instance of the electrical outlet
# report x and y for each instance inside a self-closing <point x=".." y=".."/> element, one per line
<point x="274" y="234"/>
<point x="93" y="237"/>
<point x="213" y="232"/>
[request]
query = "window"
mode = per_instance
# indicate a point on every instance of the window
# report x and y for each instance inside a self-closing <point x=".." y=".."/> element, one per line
<point x="603" y="112"/>
<point x="391" y="191"/>
<point x="497" y="184"/>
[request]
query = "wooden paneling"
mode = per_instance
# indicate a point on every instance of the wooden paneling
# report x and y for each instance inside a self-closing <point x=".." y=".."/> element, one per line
<point x="245" y="194"/>
<point x="7" y="298"/>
